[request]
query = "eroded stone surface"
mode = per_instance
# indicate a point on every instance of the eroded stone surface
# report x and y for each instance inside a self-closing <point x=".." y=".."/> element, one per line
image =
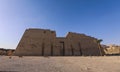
<point x="41" y="42"/>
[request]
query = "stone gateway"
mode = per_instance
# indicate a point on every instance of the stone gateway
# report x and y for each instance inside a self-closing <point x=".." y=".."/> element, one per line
<point x="43" y="42"/>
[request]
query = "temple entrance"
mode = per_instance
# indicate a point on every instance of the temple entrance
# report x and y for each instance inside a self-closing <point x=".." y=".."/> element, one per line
<point x="62" y="49"/>
<point x="80" y="49"/>
<point x="51" y="49"/>
<point x="43" y="46"/>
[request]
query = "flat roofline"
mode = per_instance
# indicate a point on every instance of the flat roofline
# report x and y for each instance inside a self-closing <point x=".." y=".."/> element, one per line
<point x="40" y="29"/>
<point x="61" y="37"/>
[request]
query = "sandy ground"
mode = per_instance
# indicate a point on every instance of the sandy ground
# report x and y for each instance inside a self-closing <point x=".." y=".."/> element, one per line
<point x="60" y="64"/>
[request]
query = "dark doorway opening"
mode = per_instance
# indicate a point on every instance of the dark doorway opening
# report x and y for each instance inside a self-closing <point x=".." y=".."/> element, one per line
<point x="43" y="46"/>
<point x="72" y="50"/>
<point x="51" y="49"/>
<point x="62" y="50"/>
<point x="80" y="49"/>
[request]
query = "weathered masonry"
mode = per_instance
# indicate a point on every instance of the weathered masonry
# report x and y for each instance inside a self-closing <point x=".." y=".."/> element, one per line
<point x="42" y="42"/>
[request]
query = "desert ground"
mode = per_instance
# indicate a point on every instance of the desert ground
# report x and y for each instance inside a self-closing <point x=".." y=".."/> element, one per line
<point x="59" y="64"/>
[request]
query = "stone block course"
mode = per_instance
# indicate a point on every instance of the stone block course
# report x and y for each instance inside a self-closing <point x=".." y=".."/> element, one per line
<point x="42" y="42"/>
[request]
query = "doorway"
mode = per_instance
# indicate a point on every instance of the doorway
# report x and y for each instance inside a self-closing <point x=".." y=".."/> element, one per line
<point x="62" y="49"/>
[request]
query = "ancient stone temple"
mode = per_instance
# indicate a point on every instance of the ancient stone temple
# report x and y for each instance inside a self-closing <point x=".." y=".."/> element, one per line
<point x="42" y="42"/>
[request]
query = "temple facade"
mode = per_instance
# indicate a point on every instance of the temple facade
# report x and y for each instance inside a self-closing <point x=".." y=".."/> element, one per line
<point x="43" y="42"/>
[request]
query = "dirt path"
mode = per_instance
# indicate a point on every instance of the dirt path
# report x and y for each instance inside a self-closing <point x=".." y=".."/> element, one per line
<point x="60" y="64"/>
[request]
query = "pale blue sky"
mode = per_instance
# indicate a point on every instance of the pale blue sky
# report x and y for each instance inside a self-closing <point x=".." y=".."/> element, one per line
<point x="97" y="18"/>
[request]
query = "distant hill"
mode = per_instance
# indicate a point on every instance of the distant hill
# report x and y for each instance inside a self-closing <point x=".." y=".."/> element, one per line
<point x="7" y="52"/>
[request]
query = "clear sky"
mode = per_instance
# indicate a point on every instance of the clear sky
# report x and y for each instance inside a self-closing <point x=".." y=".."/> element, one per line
<point x="97" y="18"/>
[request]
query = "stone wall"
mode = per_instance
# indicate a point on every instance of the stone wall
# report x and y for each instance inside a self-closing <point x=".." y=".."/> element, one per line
<point x="41" y="42"/>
